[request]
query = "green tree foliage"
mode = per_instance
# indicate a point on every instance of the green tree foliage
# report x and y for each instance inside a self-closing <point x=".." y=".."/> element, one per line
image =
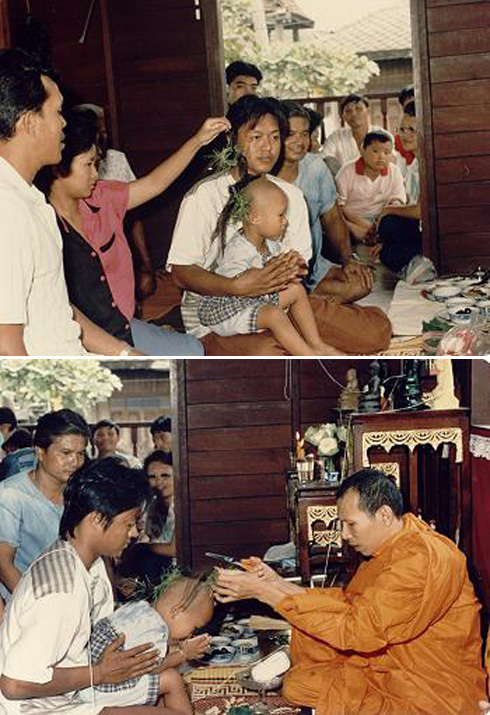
<point x="37" y="386"/>
<point x="297" y="69"/>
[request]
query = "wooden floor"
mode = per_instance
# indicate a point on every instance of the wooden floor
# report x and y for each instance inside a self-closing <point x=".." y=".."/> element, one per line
<point x="163" y="307"/>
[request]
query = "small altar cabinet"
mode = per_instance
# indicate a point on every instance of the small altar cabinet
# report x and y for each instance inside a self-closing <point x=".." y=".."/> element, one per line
<point x="316" y="531"/>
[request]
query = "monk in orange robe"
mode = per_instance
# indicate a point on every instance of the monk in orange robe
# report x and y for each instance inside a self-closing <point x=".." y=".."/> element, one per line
<point x="403" y="638"/>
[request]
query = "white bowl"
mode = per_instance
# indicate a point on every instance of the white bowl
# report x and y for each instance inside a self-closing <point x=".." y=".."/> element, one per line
<point x="246" y="644"/>
<point x="484" y="307"/>
<point x="461" y="314"/>
<point x="221" y="655"/>
<point x="219" y="641"/>
<point x="246" y="680"/>
<point x="444" y="292"/>
<point x="459" y="300"/>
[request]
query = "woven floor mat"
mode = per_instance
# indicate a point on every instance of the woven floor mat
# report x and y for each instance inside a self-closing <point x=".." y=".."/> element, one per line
<point x="221" y="705"/>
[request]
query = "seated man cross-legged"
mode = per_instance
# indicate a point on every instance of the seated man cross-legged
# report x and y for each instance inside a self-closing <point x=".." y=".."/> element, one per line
<point x="327" y="224"/>
<point x="402" y="638"/>
<point x="258" y="129"/>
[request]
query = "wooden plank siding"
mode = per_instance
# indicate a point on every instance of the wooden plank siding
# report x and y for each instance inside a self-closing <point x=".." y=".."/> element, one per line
<point x="163" y="95"/>
<point x="237" y="421"/>
<point x="238" y="436"/>
<point x="155" y="66"/>
<point x="458" y="38"/>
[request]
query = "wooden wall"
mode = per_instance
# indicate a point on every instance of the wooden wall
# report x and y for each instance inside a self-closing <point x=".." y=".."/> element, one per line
<point x="165" y="89"/>
<point x="237" y="419"/>
<point x="155" y="66"/>
<point x="456" y="71"/>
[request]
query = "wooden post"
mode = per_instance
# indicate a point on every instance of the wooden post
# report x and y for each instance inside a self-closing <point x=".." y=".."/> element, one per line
<point x="109" y="73"/>
<point x="4" y="25"/>
<point x="260" y="23"/>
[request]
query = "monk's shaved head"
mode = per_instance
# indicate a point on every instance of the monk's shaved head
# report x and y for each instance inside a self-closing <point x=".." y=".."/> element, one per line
<point x="370" y="509"/>
<point x="375" y="489"/>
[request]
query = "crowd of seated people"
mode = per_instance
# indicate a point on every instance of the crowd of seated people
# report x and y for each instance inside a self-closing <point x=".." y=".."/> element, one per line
<point x="358" y="185"/>
<point x="31" y="494"/>
<point x="63" y="528"/>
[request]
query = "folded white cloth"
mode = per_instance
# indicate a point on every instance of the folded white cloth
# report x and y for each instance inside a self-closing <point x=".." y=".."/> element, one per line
<point x="409" y="309"/>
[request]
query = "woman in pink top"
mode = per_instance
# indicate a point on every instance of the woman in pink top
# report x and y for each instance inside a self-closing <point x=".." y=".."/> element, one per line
<point x="97" y="258"/>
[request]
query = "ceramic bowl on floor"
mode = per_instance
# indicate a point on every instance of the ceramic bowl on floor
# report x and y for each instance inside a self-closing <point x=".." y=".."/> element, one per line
<point x="444" y="292"/>
<point x="232" y="629"/>
<point x="246" y="681"/>
<point x="222" y="655"/>
<point x="461" y="314"/>
<point x="460" y="300"/>
<point x="247" y="650"/>
<point x="219" y="641"/>
<point x="484" y="307"/>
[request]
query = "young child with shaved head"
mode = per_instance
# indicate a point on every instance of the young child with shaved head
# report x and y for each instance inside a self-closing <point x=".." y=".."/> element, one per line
<point x="261" y="207"/>
<point x="180" y="606"/>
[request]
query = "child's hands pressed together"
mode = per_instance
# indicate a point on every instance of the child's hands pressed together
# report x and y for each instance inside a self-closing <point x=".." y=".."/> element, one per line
<point x="195" y="648"/>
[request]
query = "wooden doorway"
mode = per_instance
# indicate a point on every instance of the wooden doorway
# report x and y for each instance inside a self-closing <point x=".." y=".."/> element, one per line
<point x="156" y="67"/>
<point x="452" y="76"/>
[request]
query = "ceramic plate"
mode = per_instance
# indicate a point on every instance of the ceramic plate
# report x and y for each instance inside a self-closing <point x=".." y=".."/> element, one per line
<point x="477" y="292"/>
<point x="247" y="681"/>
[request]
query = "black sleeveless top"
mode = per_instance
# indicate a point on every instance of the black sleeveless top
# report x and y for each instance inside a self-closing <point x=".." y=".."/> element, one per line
<point x="87" y="284"/>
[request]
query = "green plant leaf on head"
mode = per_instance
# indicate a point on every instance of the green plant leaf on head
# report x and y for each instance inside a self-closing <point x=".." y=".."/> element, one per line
<point x="225" y="159"/>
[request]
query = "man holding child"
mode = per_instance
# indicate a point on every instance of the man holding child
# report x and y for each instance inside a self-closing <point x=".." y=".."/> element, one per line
<point x="258" y="132"/>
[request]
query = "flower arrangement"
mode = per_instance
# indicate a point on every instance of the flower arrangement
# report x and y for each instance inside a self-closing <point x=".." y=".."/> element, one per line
<point x="324" y="438"/>
<point x="327" y="438"/>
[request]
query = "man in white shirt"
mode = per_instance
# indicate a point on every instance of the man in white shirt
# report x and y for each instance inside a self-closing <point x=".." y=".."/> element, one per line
<point x="259" y="128"/>
<point x="35" y="315"/>
<point x="44" y="634"/>
<point x="345" y="144"/>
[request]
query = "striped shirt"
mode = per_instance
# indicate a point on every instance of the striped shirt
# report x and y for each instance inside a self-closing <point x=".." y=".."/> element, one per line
<point x="48" y="623"/>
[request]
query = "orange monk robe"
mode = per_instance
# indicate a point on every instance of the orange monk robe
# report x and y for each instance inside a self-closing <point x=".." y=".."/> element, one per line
<point x="403" y="638"/>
